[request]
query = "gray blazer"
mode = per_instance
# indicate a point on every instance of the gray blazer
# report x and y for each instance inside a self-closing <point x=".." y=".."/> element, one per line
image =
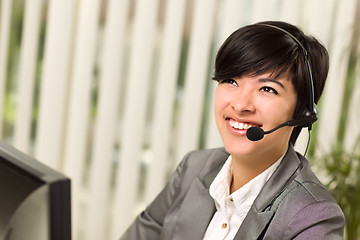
<point x="293" y="204"/>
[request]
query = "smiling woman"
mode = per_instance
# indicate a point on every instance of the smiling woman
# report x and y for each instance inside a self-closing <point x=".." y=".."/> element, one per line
<point x="253" y="189"/>
<point x="254" y="102"/>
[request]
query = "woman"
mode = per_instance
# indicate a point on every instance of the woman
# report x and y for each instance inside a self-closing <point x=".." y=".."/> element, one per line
<point x="258" y="188"/>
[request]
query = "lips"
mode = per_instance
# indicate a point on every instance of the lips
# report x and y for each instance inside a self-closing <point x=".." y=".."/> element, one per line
<point x="241" y="125"/>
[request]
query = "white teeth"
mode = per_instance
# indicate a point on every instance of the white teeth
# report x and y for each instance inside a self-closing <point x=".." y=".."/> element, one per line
<point x="240" y="125"/>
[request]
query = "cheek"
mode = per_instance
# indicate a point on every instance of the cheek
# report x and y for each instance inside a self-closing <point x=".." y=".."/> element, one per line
<point x="291" y="105"/>
<point x="279" y="111"/>
<point x="220" y="101"/>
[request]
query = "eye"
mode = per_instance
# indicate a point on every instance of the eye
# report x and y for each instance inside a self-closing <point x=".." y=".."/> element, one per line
<point x="269" y="90"/>
<point x="228" y="81"/>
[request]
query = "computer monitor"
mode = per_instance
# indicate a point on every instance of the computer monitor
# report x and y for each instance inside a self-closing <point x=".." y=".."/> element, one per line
<point x="34" y="199"/>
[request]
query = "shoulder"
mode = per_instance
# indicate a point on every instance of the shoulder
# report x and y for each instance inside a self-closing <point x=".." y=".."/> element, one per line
<point x="308" y="187"/>
<point x="202" y="164"/>
<point x="196" y="164"/>
<point x="306" y="208"/>
<point x="160" y="218"/>
<point x="306" y="190"/>
<point x="203" y="161"/>
<point x="213" y="153"/>
<point x="304" y="194"/>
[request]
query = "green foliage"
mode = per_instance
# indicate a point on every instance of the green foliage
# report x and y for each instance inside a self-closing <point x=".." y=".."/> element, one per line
<point x="343" y="170"/>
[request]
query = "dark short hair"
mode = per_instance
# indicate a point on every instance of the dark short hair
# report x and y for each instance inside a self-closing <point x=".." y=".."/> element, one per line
<point x="256" y="49"/>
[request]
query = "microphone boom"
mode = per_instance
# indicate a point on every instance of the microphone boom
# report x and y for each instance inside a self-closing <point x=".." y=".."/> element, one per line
<point x="256" y="133"/>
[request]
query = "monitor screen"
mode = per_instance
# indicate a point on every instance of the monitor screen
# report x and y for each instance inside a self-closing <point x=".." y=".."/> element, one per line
<point x="34" y="199"/>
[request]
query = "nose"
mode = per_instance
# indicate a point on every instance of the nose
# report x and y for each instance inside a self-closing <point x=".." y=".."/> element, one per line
<point x="243" y="102"/>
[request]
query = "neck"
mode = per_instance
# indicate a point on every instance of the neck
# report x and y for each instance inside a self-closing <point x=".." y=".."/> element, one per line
<point x="244" y="170"/>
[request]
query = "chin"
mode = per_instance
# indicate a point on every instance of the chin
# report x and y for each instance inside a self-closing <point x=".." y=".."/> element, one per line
<point x="241" y="148"/>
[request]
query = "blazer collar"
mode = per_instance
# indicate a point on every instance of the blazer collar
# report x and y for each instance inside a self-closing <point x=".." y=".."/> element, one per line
<point x="198" y="206"/>
<point x="280" y="179"/>
<point x="260" y="213"/>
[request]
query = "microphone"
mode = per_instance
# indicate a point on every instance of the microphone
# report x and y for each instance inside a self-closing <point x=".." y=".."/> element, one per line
<point x="256" y="133"/>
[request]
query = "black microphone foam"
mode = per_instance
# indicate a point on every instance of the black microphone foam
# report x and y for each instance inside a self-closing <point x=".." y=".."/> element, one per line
<point x="255" y="133"/>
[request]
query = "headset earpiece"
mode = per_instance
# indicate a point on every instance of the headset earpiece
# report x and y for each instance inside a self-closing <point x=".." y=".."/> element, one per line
<point x="309" y="116"/>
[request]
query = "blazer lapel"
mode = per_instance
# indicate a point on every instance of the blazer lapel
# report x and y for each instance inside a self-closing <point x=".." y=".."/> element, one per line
<point x="197" y="209"/>
<point x="260" y="214"/>
<point x="198" y="206"/>
<point x="254" y="225"/>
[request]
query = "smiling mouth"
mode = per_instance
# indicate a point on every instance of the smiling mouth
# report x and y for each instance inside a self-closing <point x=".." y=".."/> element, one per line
<point x="241" y="125"/>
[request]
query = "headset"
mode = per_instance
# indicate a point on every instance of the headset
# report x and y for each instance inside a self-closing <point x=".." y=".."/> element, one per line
<point x="309" y="116"/>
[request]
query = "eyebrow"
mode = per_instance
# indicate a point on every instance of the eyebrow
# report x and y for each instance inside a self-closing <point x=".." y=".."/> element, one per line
<point x="262" y="80"/>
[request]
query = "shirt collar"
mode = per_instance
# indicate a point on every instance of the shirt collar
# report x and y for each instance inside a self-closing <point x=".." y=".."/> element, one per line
<point x="245" y="196"/>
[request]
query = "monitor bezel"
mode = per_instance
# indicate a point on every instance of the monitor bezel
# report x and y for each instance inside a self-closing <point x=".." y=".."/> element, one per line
<point x="59" y="188"/>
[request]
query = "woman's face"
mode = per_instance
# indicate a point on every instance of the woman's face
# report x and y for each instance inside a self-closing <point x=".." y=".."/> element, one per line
<point x="260" y="101"/>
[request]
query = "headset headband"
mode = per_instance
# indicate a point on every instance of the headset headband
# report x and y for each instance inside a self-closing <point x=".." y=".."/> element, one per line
<point x="312" y="106"/>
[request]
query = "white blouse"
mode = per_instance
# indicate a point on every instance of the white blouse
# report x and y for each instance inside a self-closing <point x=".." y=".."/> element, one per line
<point x="232" y="209"/>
